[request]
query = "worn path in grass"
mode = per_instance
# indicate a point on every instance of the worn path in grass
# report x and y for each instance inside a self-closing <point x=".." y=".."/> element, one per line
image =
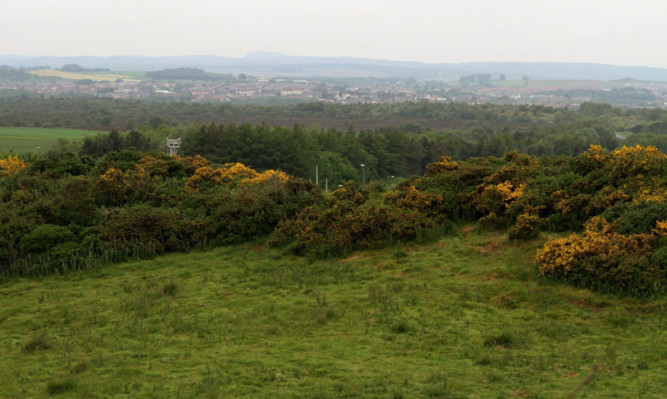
<point x="465" y="317"/>
<point x="28" y="139"/>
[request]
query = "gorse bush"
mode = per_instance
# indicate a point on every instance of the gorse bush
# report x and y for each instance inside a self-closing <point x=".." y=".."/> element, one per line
<point x="526" y="226"/>
<point x="527" y="194"/>
<point x="72" y="212"/>
<point x="346" y="223"/>
<point x="606" y="259"/>
<point x="11" y="165"/>
<point x="135" y="205"/>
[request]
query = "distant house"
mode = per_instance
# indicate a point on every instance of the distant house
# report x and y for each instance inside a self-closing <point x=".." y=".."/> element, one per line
<point x="291" y="92"/>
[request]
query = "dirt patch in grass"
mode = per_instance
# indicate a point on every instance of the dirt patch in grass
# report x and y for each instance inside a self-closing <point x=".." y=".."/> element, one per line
<point x="504" y="302"/>
<point x="465" y="230"/>
<point x="493" y="246"/>
<point x="257" y="248"/>
<point x="586" y="305"/>
<point x="529" y="261"/>
<point x="490" y="276"/>
<point x="352" y="257"/>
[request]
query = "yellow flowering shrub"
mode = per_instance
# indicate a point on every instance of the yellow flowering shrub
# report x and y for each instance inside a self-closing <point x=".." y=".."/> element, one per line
<point x="230" y="175"/>
<point x="596" y="153"/>
<point x="233" y="173"/>
<point x="604" y="258"/>
<point x="607" y="197"/>
<point x="444" y="164"/>
<point x="415" y="199"/>
<point x="660" y="228"/>
<point x="498" y="198"/>
<point x="658" y="195"/>
<point x="117" y="185"/>
<point x="192" y="163"/>
<point x="526" y="160"/>
<point x="525" y="227"/>
<point x="11" y="165"/>
<point x="202" y="178"/>
<point x="267" y="176"/>
<point x="637" y="160"/>
<point x="510" y="192"/>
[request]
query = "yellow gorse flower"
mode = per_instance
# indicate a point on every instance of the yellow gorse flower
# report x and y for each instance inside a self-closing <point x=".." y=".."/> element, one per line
<point x="11" y="165"/>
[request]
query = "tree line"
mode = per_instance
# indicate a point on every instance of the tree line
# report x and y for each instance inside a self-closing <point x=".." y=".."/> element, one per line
<point x="29" y="110"/>
<point x="338" y="154"/>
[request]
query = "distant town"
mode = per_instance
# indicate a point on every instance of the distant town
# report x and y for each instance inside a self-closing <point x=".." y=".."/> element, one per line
<point x="239" y="88"/>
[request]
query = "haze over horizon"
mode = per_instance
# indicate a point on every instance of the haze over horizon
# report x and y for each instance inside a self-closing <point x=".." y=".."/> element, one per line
<point x="612" y="32"/>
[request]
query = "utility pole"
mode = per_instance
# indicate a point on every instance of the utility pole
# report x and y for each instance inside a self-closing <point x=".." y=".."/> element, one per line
<point x="363" y="175"/>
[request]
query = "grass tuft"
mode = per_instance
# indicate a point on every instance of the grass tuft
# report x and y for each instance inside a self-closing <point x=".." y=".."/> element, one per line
<point x="401" y="327"/>
<point x="58" y="387"/>
<point x="39" y="342"/>
<point x="170" y="289"/>
<point x="505" y="340"/>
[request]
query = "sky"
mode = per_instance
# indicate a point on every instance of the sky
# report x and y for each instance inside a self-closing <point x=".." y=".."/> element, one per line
<point x="618" y="32"/>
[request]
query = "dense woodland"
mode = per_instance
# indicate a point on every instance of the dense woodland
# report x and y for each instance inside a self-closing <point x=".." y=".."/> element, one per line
<point x="30" y="110"/>
<point x="386" y="152"/>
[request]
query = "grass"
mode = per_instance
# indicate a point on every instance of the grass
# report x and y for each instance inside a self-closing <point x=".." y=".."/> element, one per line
<point x="464" y="317"/>
<point x="28" y="139"/>
<point x="97" y="76"/>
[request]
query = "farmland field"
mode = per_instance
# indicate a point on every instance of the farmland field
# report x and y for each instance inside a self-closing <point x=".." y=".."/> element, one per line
<point x="23" y="139"/>
<point x="463" y="317"/>
<point x="558" y="84"/>
<point x="99" y="76"/>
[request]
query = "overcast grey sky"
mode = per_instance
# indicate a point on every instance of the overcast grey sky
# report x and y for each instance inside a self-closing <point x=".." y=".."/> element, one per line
<point x="620" y="32"/>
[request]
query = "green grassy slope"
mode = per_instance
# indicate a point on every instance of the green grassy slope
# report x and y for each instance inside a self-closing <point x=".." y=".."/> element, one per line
<point x="465" y="317"/>
<point x="26" y="139"/>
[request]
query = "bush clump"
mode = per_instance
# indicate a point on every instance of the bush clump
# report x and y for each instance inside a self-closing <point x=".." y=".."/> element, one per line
<point x="346" y="223"/>
<point x="607" y="260"/>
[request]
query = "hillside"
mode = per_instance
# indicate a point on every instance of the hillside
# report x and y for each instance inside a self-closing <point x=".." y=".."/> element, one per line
<point x="466" y="316"/>
<point x="276" y="64"/>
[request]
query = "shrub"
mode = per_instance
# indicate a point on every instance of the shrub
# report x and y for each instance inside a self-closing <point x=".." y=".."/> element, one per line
<point x="416" y="200"/>
<point x="636" y="217"/>
<point x="525" y="227"/>
<point x="346" y="223"/>
<point x="142" y="226"/>
<point x="11" y="165"/>
<point x="45" y="237"/>
<point x="605" y="259"/>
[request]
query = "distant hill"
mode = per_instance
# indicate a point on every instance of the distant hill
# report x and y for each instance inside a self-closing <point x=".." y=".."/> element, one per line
<point x="276" y="64"/>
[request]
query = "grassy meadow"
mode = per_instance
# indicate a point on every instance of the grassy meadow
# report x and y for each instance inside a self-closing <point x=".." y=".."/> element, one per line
<point x="464" y="317"/>
<point x="37" y="139"/>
